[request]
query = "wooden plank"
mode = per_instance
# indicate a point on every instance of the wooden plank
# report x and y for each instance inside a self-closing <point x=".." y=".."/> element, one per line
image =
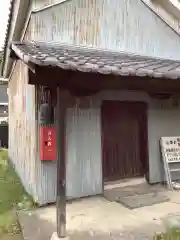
<point x="61" y="163"/>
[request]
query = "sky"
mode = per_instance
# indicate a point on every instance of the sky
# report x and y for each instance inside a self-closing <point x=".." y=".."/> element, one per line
<point x="4" y="13"/>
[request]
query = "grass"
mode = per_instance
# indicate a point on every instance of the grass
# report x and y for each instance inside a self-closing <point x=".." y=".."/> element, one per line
<point x="12" y="198"/>
<point x="171" y="234"/>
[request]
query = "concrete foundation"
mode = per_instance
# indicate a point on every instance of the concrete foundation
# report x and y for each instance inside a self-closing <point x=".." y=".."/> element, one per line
<point x="55" y="237"/>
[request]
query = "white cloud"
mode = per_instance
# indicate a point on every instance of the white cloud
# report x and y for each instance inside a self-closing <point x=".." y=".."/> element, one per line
<point x="4" y="13"/>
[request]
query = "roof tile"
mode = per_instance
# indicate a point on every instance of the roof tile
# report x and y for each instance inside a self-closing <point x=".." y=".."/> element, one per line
<point x="95" y="60"/>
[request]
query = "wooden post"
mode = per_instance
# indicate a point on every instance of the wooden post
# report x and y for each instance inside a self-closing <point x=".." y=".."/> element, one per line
<point x="61" y="162"/>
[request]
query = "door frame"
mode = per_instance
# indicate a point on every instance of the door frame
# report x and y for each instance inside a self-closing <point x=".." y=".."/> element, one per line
<point x="145" y="137"/>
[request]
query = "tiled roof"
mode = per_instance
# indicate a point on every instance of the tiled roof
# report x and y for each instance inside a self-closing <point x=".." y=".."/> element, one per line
<point x="84" y="59"/>
<point x="12" y="2"/>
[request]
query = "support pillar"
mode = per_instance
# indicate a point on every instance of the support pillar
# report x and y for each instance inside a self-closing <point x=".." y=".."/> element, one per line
<point x="60" y="116"/>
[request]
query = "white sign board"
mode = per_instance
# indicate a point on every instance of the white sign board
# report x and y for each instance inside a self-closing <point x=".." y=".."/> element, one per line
<point x="171" y="149"/>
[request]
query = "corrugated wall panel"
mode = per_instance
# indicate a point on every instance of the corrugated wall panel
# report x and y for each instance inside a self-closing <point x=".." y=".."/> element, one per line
<point x="45" y="172"/>
<point x="84" y="172"/>
<point x="39" y="4"/>
<point x="22" y="134"/>
<point x="129" y="25"/>
<point x="46" y="179"/>
<point x="47" y="26"/>
<point x="71" y="22"/>
<point x="116" y="25"/>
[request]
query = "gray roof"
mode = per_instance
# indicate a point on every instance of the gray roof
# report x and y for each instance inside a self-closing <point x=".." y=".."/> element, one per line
<point x="12" y="2"/>
<point x="101" y="61"/>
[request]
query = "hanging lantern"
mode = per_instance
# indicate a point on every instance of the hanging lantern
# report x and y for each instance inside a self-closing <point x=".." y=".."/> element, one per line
<point x="47" y="128"/>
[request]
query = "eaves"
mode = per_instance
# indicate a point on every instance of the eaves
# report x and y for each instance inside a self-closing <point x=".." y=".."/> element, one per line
<point x="166" y="16"/>
<point x="17" y="31"/>
<point x="14" y="33"/>
<point x="16" y="22"/>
